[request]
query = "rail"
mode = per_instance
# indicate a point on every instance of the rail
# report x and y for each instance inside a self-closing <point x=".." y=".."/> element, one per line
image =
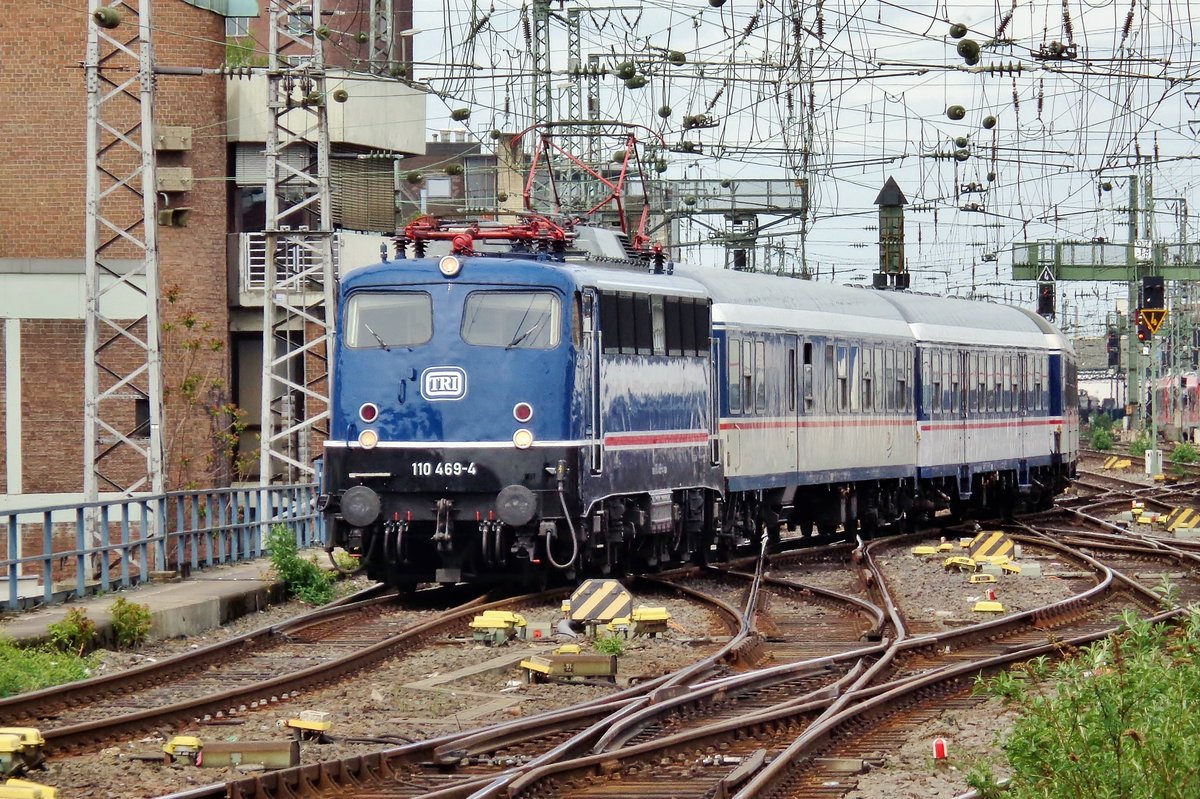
<point x="102" y="546"/>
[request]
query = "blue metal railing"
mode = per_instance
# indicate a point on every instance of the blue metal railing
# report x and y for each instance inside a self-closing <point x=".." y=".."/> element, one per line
<point x="102" y="546"/>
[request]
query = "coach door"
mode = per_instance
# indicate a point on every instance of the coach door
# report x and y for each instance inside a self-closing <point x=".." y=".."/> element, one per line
<point x="793" y="399"/>
<point x="967" y="397"/>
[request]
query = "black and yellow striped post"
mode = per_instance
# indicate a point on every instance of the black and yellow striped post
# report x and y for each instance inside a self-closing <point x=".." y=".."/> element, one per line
<point x="600" y="601"/>
<point x="1182" y="519"/>
<point x="990" y="544"/>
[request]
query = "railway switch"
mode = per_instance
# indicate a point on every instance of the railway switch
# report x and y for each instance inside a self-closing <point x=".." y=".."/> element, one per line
<point x="312" y="725"/>
<point x="188" y="747"/>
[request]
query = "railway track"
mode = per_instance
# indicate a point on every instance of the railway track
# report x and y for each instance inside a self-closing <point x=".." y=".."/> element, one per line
<point x="809" y="663"/>
<point x="261" y="668"/>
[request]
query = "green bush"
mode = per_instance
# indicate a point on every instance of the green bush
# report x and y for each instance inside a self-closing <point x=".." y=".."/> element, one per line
<point x="131" y="623"/>
<point x="1185" y="452"/>
<point x="31" y="668"/>
<point x="76" y="633"/>
<point x="609" y="645"/>
<point x="1100" y="438"/>
<point x="1121" y="721"/>
<point x="303" y="579"/>
<point x="1139" y="445"/>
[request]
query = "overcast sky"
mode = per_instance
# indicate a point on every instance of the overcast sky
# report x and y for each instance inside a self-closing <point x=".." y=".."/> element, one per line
<point x="868" y="85"/>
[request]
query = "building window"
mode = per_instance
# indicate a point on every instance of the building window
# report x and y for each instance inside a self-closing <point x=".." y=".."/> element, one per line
<point x="438" y="188"/>
<point x="237" y="26"/>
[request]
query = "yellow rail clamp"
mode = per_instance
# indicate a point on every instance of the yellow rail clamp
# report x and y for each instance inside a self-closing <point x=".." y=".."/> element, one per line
<point x="30" y="750"/>
<point x="24" y="789"/>
<point x="981" y="578"/>
<point x="11" y="754"/>
<point x="491" y="619"/>
<point x="1010" y="568"/>
<point x="644" y="613"/>
<point x="620" y="625"/>
<point x="188" y="746"/>
<point x="945" y="546"/>
<point x="568" y="649"/>
<point x="312" y="721"/>
<point x="600" y="601"/>
<point x="965" y="543"/>
<point x="30" y="736"/>
<point x="988" y="606"/>
<point x="1137" y="505"/>
<point x="995" y="560"/>
<point x="989" y="543"/>
<point x="960" y="563"/>
<point x="925" y="550"/>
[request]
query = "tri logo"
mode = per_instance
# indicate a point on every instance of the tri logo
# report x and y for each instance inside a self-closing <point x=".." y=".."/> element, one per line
<point x="443" y="383"/>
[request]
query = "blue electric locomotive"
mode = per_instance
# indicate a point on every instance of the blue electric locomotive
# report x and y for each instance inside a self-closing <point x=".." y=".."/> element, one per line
<point x="569" y="409"/>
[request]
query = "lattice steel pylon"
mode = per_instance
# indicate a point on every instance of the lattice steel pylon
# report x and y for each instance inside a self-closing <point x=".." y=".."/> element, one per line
<point x="298" y="305"/>
<point x="382" y="40"/>
<point x="122" y="361"/>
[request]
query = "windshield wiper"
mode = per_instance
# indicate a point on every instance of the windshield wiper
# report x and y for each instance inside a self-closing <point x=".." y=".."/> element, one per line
<point x="378" y="338"/>
<point x="522" y="336"/>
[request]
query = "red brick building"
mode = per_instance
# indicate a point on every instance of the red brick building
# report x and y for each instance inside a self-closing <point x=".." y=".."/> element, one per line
<point x="210" y="309"/>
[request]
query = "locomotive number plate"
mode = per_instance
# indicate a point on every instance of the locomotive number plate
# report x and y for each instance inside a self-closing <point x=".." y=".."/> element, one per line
<point x="445" y="468"/>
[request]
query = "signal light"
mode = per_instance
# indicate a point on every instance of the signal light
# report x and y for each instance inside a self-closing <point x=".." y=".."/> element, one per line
<point x="1152" y="292"/>
<point x="1113" y="348"/>
<point x="1143" y="330"/>
<point x="1045" y="300"/>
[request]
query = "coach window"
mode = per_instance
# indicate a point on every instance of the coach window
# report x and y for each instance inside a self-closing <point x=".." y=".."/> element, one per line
<point x="868" y="378"/>
<point x="881" y="384"/>
<point x="748" y="375"/>
<point x="843" y="381"/>
<point x="830" y="385"/>
<point x="792" y="388"/>
<point x="388" y="319"/>
<point x="955" y="359"/>
<point x="889" y="378"/>
<point x="904" y="381"/>
<point x="735" y="374"/>
<point x="1043" y="382"/>
<point x="760" y="376"/>
<point x="934" y="405"/>
<point x="808" y="376"/>
<point x="658" y="323"/>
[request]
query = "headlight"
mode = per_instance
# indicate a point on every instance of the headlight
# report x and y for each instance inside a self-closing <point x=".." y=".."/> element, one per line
<point x="449" y="266"/>
<point x="522" y="439"/>
<point x="367" y="439"/>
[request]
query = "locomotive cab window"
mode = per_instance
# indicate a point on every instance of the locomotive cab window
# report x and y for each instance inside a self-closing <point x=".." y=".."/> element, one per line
<point x="512" y="319"/>
<point x="388" y="319"/>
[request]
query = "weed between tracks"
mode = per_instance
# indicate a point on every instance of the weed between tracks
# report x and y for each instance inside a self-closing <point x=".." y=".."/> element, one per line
<point x="28" y="669"/>
<point x="1120" y="723"/>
